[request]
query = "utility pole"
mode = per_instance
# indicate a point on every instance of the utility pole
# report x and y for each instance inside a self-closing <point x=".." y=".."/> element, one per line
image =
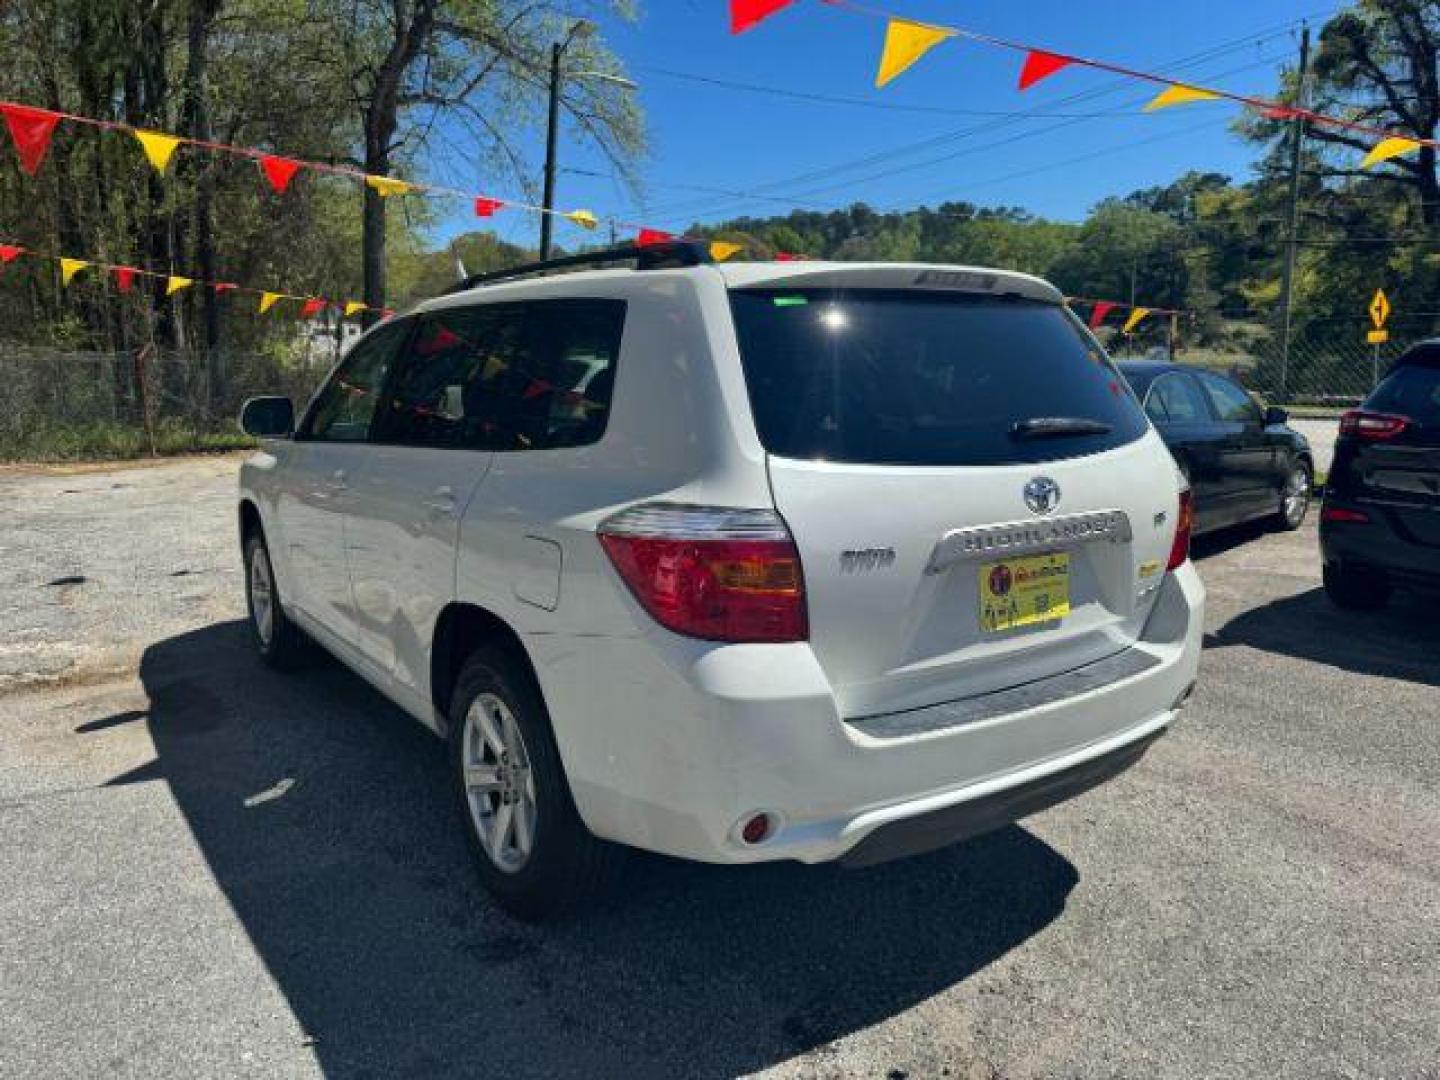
<point x="547" y="218"/>
<point x="1287" y="284"/>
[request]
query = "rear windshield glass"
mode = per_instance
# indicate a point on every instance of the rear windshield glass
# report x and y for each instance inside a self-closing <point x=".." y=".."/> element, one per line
<point x="909" y="378"/>
<point x="1412" y="392"/>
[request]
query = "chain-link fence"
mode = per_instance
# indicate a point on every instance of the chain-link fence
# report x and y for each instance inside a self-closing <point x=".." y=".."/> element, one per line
<point x="58" y="405"/>
<point x="1329" y="365"/>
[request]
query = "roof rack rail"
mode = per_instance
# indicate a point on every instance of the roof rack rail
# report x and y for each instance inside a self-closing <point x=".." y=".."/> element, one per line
<point x="665" y="256"/>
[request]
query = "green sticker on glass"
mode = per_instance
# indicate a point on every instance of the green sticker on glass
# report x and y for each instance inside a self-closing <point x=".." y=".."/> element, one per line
<point x="789" y="301"/>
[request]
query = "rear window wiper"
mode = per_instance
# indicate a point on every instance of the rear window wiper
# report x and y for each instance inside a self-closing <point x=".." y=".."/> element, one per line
<point x="1046" y="427"/>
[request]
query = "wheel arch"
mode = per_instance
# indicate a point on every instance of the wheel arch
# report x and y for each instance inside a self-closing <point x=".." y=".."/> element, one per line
<point x="249" y="520"/>
<point x="461" y="628"/>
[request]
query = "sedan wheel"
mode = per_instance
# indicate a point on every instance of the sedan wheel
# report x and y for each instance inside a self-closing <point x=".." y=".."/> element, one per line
<point x="499" y="783"/>
<point x="1295" y="498"/>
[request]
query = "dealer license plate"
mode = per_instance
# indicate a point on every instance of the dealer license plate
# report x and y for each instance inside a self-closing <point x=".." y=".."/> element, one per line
<point x="1024" y="591"/>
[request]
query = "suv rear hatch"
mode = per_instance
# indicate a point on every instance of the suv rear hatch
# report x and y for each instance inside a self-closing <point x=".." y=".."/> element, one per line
<point x="1399" y="470"/>
<point x="977" y="498"/>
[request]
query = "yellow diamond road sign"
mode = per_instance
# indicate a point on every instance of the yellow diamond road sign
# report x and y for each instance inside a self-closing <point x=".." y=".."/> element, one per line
<point x="1379" y="309"/>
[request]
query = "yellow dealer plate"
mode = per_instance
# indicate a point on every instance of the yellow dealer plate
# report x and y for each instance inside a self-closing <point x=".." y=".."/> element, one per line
<point x="1022" y="592"/>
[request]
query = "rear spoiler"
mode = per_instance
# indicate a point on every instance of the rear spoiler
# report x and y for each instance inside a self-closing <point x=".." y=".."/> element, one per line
<point x="919" y="276"/>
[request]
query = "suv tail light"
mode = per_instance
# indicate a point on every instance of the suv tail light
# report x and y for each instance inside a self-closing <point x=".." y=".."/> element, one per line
<point x="1372" y="425"/>
<point x="711" y="572"/>
<point x="1184" y="526"/>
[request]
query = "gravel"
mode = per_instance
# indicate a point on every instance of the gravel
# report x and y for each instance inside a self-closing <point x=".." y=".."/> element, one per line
<point x="210" y="869"/>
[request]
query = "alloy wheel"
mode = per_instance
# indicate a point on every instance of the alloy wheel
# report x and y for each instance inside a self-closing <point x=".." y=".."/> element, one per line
<point x="262" y="595"/>
<point x="499" y="783"/>
<point x="1297" y="497"/>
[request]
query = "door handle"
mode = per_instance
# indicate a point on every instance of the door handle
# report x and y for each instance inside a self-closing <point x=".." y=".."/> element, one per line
<point x="441" y="502"/>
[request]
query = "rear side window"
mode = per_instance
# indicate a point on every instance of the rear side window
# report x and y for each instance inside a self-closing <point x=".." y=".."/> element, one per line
<point x="909" y="378"/>
<point x="528" y="376"/>
<point x="1412" y="391"/>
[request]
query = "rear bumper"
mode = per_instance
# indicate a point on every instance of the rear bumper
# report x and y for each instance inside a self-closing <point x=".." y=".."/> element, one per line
<point x="927" y="831"/>
<point x="1378" y="544"/>
<point x="670" y="746"/>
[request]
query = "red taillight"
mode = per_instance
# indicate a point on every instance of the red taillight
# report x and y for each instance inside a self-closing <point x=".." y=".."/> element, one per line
<point x="1339" y="513"/>
<point x="1372" y="425"/>
<point x="722" y="575"/>
<point x="1184" y="526"/>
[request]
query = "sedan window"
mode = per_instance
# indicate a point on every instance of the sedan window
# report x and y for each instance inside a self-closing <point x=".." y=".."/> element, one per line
<point x="1177" y="399"/>
<point x="1231" y="402"/>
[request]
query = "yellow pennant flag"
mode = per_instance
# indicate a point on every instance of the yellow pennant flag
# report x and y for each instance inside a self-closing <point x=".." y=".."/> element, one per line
<point x="1180" y="95"/>
<point x="267" y="301"/>
<point x="174" y="283"/>
<point x="1134" y="319"/>
<point x="1386" y="149"/>
<point x="586" y="219"/>
<point x="386" y="186"/>
<point x="905" y="43"/>
<point x="353" y="307"/>
<point x="69" y="268"/>
<point x="720" y="250"/>
<point x="157" y="147"/>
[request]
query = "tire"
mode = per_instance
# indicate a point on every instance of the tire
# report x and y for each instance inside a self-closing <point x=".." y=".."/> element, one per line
<point x="1355" y="589"/>
<point x="281" y="644"/>
<point x="510" y="786"/>
<point x="1295" y="497"/>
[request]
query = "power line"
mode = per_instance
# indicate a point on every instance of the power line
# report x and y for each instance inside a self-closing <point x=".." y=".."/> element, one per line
<point x="800" y="198"/>
<point x="854" y="102"/>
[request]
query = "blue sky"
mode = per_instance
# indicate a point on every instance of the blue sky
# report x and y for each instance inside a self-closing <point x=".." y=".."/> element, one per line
<point x="1088" y="138"/>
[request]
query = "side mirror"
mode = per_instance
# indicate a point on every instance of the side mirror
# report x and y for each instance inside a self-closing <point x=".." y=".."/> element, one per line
<point x="268" y="417"/>
<point x="1275" y="415"/>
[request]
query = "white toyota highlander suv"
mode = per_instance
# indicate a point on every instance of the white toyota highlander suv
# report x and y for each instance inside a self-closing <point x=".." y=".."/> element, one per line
<point x="794" y="560"/>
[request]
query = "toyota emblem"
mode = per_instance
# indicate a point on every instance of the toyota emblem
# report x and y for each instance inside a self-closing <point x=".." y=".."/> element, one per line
<point x="1042" y="495"/>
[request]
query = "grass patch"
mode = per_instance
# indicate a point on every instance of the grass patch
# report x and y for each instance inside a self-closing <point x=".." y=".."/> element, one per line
<point x="110" y="441"/>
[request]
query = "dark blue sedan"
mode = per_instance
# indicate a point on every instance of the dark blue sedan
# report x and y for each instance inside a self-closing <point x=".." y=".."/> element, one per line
<point x="1244" y="463"/>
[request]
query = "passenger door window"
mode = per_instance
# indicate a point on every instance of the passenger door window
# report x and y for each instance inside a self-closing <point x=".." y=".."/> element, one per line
<point x="345" y="408"/>
<point x="1232" y="404"/>
<point x="1178" y="400"/>
<point x="437" y="398"/>
<point x="507" y="377"/>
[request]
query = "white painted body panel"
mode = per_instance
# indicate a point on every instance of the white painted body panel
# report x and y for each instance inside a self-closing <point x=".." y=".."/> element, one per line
<point x="668" y="740"/>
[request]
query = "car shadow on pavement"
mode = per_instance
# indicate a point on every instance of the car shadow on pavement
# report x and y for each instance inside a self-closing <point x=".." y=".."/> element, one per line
<point x="325" y="817"/>
<point x="1401" y="642"/>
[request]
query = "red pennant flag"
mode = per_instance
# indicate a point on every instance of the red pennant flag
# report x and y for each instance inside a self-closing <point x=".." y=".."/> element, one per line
<point x="1279" y="112"/>
<point x="785" y="256"/>
<point x="443" y="338"/>
<point x="1097" y="315"/>
<point x="124" y="278"/>
<point x="387" y="313"/>
<point x="222" y="287"/>
<point x="279" y="171"/>
<point x="10" y="252"/>
<point x="312" y="307"/>
<point x="746" y="13"/>
<point x="651" y="237"/>
<point x="536" y="388"/>
<point x="31" y="130"/>
<point x="486" y="207"/>
<point x="1041" y="65"/>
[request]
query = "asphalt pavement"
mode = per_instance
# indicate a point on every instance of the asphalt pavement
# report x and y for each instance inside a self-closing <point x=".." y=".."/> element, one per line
<point x="210" y="869"/>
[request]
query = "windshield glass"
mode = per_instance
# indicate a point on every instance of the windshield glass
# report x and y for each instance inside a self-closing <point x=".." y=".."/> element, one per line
<point x="920" y="378"/>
